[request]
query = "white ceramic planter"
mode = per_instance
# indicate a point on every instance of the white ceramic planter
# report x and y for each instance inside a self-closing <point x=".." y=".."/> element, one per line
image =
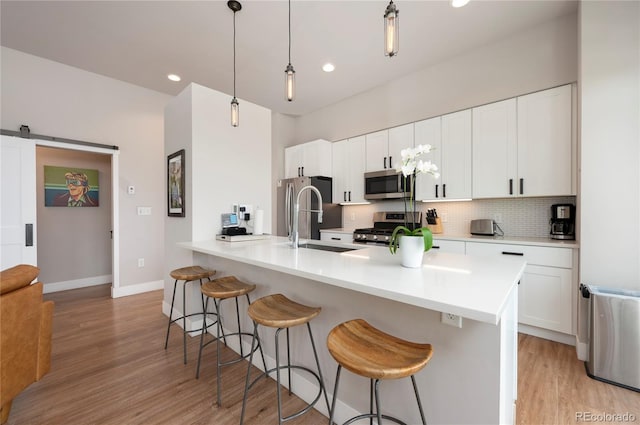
<point x="411" y="251"/>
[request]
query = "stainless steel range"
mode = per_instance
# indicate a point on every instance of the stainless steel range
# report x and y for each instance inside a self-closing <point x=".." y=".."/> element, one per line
<point x="383" y="225"/>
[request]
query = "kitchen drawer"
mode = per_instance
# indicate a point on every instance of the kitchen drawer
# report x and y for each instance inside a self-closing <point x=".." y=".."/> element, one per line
<point x="543" y="256"/>
<point x="336" y="237"/>
<point x="456" y="247"/>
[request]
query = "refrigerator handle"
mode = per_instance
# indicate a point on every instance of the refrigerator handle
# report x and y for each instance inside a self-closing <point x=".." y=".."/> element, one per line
<point x="287" y="207"/>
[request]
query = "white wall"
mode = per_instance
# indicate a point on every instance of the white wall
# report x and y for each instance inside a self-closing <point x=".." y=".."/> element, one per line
<point x="224" y="165"/>
<point x="538" y="58"/>
<point x="62" y="101"/>
<point x="610" y="155"/>
<point x="74" y="244"/>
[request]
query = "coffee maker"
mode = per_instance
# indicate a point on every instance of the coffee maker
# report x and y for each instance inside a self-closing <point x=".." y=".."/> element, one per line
<point x="563" y="219"/>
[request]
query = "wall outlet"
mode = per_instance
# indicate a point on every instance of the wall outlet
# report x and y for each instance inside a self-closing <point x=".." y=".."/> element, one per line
<point x="353" y="216"/>
<point x="497" y="217"/>
<point x="444" y="217"/>
<point x="140" y="262"/>
<point x="451" y="319"/>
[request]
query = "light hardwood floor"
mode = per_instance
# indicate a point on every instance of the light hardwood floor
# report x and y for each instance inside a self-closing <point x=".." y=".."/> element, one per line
<point x="109" y="367"/>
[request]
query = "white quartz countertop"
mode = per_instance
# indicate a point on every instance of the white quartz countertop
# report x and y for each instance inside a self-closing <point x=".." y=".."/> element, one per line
<point x="474" y="288"/>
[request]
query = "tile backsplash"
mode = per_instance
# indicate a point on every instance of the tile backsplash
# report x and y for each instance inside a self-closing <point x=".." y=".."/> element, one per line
<point x="520" y="217"/>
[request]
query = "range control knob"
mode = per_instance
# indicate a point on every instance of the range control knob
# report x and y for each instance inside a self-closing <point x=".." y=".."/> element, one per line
<point x="386" y="238"/>
<point x="375" y="237"/>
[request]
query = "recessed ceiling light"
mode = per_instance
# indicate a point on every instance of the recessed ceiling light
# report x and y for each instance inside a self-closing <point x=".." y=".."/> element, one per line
<point x="459" y="3"/>
<point x="328" y="67"/>
<point x="174" y="77"/>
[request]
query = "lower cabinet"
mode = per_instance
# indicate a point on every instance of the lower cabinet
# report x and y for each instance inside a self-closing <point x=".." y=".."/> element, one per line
<point x="336" y="236"/>
<point x="546" y="293"/>
<point x="455" y="247"/>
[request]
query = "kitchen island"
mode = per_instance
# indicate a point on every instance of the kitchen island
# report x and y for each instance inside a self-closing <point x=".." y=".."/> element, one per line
<point x="472" y="376"/>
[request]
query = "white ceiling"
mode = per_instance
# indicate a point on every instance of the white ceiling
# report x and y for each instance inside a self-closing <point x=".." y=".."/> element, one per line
<point x="142" y="41"/>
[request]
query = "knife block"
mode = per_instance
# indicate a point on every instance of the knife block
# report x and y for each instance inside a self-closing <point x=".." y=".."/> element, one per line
<point x="436" y="228"/>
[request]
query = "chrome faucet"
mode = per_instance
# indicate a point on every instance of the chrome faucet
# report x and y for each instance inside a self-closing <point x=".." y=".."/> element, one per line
<point x="296" y="211"/>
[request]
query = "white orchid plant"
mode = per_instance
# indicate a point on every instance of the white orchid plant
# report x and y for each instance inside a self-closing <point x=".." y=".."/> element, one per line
<point x="410" y="166"/>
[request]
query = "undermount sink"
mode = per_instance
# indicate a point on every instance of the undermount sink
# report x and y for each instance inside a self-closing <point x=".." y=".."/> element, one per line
<point x="326" y="247"/>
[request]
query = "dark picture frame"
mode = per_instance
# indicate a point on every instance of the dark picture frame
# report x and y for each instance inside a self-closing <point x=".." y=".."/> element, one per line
<point x="175" y="184"/>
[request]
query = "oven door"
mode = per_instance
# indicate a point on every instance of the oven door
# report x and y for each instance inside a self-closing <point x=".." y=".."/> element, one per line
<point x="386" y="184"/>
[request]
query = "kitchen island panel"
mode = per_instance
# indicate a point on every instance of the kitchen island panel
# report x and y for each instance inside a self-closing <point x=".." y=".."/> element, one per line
<point x="467" y="369"/>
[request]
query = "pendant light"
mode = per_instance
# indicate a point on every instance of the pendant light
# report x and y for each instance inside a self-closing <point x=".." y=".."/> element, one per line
<point x="391" y="34"/>
<point x="235" y="6"/>
<point x="289" y="72"/>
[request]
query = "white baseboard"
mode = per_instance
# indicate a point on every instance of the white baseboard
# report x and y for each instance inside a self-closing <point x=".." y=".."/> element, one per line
<point x="76" y="284"/>
<point x="582" y="350"/>
<point x="547" y="334"/>
<point x="138" y="288"/>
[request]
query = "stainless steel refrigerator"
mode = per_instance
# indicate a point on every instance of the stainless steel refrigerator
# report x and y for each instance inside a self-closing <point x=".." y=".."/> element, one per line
<point x="309" y="228"/>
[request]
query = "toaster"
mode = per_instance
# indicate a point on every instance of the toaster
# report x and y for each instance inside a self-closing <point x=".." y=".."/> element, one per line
<point x="484" y="227"/>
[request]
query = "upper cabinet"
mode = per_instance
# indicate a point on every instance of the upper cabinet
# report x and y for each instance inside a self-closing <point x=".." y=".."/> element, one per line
<point x="383" y="147"/>
<point x="450" y="135"/>
<point x="348" y="170"/>
<point x="545" y="159"/>
<point x="308" y="159"/>
<point x="524" y="146"/>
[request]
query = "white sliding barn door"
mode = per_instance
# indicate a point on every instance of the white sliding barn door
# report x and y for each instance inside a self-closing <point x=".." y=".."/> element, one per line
<point x="17" y="202"/>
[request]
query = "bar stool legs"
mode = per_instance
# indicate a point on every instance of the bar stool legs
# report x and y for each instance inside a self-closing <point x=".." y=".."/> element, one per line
<point x="187" y="274"/>
<point x="219" y="290"/>
<point x="278" y="312"/>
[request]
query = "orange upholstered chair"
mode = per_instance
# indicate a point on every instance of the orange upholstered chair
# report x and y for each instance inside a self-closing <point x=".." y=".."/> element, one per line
<point x="25" y="333"/>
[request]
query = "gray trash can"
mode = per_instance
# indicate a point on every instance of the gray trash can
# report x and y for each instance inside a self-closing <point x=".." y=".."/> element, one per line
<point x="614" y="336"/>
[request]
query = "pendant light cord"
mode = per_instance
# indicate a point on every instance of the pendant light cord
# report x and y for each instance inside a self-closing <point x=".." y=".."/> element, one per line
<point x="289" y="32"/>
<point x="234" y="54"/>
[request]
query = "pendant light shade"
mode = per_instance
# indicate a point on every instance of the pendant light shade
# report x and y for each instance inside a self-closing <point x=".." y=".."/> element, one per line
<point x="235" y="112"/>
<point x="391" y="33"/>
<point x="290" y="83"/>
<point x="289" y="72"/>
<point x="235" y="6"/>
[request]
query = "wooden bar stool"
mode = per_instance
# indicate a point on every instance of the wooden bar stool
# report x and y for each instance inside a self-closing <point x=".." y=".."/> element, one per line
<point x="369" y="352"/>
<point x="277" y="311"/>
<point x="219" y="290"/>
<point x="187" y="274"/>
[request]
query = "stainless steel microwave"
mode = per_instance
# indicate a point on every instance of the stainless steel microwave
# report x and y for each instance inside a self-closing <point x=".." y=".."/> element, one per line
<point x="386" y="184"/>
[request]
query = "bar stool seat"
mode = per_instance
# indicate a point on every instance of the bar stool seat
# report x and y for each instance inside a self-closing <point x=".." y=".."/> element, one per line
<point x="221" y="289"/>
<point x="366" y="351"/>
<point x="187" y="274"/>
<point x="278" y="311"/>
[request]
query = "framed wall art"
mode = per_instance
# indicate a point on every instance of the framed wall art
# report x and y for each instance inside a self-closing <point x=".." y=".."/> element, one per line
<point x="175" y="184"/>
<point x="70" y="187"/>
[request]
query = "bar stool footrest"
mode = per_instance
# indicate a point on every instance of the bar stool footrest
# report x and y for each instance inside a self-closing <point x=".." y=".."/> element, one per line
<point x="373" y="416"/>
<point x="306" y="369"/>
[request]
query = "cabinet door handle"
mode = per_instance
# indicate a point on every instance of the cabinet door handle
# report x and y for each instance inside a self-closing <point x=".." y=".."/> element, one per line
<point x="435" y="247"/>
<point x="349" y="196"/>
<point x="390" y="162"/>
<point x="298" y="171"/>
<point x="28" y="230"/>
<point x="510" y="186"/>
<point x="335" y="239"/>
<point x="385" y="162"/>
<point x="521" y="186"/>
<point x="444" y="190"/>
<point x="436" y="191"/>
<point x="344" y="196"/>
<point x="302" y="172"/>
<point x="512" y="253"/>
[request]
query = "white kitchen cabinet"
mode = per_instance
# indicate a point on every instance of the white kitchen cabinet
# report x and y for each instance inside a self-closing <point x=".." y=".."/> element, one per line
<point x="342" y="237"/>
<point x="429" y="132"/>
<point x="450" y="135"/>
<point x="495" y="150"/>
<point x="455" y="247"/>
<point x="383" y="147"/>
<point x="308" y="159"/>
<point x="545" y="160"/>
<point x="524" y="146"/>
<point x="348" y="170"/>
<point x="545" y="296"/>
